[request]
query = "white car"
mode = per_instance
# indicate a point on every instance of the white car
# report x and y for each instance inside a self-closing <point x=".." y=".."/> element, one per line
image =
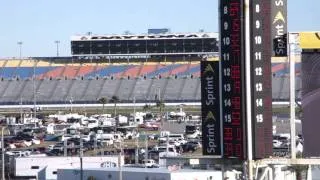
<point x="149" y="162"/>
<point x="276" y="143"/>
<point x="50" y="147"/>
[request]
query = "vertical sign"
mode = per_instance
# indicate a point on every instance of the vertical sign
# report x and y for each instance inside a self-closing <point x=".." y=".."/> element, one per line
<point x="232" y="77"/>
<point x="279" y="27"/>
<point x="261" y="78"/>
<point x="210" y="108"/>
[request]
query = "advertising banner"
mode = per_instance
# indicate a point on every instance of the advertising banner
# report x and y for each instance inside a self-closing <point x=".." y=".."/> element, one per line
<point x="279" y="27"/>
<point x="309" y="40"/>
<point x="210" y="108"/>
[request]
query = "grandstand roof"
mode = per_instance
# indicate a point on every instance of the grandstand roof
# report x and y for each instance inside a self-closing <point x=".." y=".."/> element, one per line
<point x="144" y="36"/>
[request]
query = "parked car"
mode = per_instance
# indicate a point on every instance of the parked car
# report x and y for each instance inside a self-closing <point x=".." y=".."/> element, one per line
<point x="190" y="146"/>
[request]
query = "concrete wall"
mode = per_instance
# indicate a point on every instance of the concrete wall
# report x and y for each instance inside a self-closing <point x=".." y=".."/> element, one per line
<point x="139" y="174"/>
<point x="30" y="166"/>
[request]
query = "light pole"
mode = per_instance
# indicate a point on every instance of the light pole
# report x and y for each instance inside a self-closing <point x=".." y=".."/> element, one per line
<point x="90" y="34"/>
<point x="34" y="91"/>
<point x="292" y="98"/>
<point x="136" y="158"/>
<point x="20" y="48"/>
<point x="21" y="114"/>
<point x="57" y="43"/>
<point x="2" y="148"/>
<point x="81" y="155"/>
<point x="3" y="152"/>
<point x="134" y="108"/>
<point x="71" y="101"/>
<point x="119" y="160"/>
<point x="158" y="89"/>
<point x="146" y="156"/>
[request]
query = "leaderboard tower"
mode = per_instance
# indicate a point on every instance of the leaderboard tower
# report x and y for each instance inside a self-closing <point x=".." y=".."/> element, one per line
<point x="244" y="130"/>
<point x="246" y="78"/>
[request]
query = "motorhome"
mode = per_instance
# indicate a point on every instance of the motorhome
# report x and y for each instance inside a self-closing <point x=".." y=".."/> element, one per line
<point x="122" y="119"/>
<point x="53" y="128"/>
<point x="170" y="137"/>
<point x="70" y="133"/>
<point x="136" y="120"/>
<point x="180" y="115"/>
<point x="192" y="131"/>
<point x="71" y="118"/>
<point x="107" y="121"/>
<point x="108" y="139"/>
<point x="91" y="122"/>
<point x="128" y="132"/>
<point x="168" y="148"/>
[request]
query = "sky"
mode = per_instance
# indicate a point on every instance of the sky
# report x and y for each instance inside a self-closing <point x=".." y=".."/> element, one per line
<point x="39" y="23"/>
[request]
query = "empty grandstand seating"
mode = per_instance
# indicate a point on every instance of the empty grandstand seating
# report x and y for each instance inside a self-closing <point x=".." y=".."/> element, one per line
<point x="162" y="70"/>
<point x="173" y="90"/>
<point x="77" y="88"/>
<point x="192" y="69"/>
<point x="147" y="68"/>
<point x="93" y="89"/>
<point x="13" y="63"/>
<point x="25" y="69"/>
<point x="86" y="69"/>
<point x="141" y="88"/>
<point x="60" y="92"/>
<point x="86" y="82"/>
<point x="109" y="88"/>
<point x="125" y="89"/>
<point x="70" y="71"/>
<point x="109" y="70"/>
<point x="133" y="71"/>
<point x="189" y="90"/>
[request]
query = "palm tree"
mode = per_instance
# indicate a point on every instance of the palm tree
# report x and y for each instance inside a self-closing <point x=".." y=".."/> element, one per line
<point x="103" y="101"/>
<point x="146" y="107"/>
<point x="115" y="100"/>
<point x="160" y="104"/>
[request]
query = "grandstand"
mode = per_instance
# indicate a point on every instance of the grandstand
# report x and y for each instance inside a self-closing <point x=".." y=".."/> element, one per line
<point x="85" y="83"/>
<point x="141" y="75"/>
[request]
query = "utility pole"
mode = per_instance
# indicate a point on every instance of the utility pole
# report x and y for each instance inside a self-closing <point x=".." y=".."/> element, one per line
<point x="95" y="144"/>
<point x="71" y="101"/>
<point x="119" y="161"/>
<point x="3" y="151"/>
<point x="159" y="94"/>
<point x="137" y="151"/>
<point x="21" y="114"/>
<point x="34" y="90"/>
<point x="81" y="155"/>
<point x="134" y="108"/>
<point x="65" y="148"/>
<point x="146" y="146"/>
<point x="292" y="100"/>
<point x="20" y="56"/>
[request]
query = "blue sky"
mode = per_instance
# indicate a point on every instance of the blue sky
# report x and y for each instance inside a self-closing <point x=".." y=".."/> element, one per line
<point x="38" y="23"/>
